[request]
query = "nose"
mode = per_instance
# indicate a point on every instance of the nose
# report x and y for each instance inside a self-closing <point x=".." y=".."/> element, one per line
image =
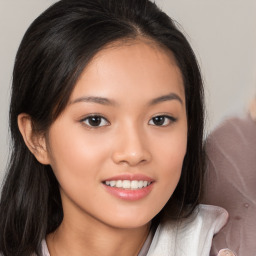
<point x="131" y="147"/>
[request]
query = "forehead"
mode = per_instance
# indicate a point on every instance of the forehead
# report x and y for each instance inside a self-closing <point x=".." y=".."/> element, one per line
<point x="129" y="65"/>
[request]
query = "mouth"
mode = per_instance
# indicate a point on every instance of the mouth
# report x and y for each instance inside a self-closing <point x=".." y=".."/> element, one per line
<point x="128" y="184"/>
<point x="129" y="187"/>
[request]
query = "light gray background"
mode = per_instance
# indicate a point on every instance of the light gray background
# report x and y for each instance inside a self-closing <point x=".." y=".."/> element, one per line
<point x="222" y="33"/>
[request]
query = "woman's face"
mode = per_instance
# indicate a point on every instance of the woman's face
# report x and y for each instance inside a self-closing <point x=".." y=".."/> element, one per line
<point x="118" y="147"/>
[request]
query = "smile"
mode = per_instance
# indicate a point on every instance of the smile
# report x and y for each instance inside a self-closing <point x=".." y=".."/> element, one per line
<point x="131" y="187"/>
<point x="128" y="184"/>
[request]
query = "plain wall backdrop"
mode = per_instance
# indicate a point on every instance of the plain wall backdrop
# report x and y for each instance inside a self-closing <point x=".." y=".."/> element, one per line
<point x="222" y="34"/>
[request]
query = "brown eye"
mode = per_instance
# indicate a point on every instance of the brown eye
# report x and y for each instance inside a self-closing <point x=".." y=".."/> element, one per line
<point x="162" y="120"/>
<point x="95" y="121"/>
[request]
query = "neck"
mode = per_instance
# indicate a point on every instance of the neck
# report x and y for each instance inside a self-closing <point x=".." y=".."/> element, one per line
<point x="95" y="238"/>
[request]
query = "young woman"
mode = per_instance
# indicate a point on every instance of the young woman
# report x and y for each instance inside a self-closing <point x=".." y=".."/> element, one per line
<point x="106" y="119"/>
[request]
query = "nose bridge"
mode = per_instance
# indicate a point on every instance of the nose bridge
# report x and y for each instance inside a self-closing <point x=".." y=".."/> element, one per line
<point x="131" y="146"/>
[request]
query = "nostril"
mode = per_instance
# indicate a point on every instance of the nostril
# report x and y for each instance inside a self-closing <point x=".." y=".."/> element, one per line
<point x="131" y="157"/>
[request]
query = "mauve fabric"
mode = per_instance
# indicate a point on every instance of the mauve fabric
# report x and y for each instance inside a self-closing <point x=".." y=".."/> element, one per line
<point x="231" y="183"/>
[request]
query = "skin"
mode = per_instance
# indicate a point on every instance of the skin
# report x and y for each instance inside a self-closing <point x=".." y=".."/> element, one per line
<point x="133" y="78"/>
<point x="225" y="252"/>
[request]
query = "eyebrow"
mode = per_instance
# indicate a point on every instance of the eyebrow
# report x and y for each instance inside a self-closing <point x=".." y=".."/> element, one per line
<point x="106" y="101"/>
<point x="171" y="96"/>
<point x="93" y="99"/>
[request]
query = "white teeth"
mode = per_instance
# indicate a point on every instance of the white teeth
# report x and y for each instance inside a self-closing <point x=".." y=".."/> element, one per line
<point x="127" y="184"/>
<point x="112" y="183"/>
<point x="141" y="183"/>
<point x="134" y="184"/>
<point x="119" y="184"/>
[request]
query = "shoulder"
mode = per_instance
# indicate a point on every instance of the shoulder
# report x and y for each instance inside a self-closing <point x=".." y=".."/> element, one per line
<point x="208" y="217"/>
<point x="189" y="237"/>
<point x="240" y="128"/>
<point x="230" y="181"/>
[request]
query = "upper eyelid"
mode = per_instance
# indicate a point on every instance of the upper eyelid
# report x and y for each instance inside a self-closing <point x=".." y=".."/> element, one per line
<point x="164" y="115"/>
<point x="93" y="115"/>
<point x="102" y="116"/>
<point x="171" y="117"/>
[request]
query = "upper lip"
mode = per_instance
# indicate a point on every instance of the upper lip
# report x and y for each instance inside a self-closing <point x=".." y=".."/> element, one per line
<point x="130" y="177"/>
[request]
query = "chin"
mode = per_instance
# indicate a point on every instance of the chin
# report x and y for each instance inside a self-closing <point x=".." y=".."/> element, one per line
<point x="130" y="222"/>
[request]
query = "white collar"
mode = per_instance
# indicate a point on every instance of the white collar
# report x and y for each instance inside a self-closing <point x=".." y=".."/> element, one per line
<point x="189" y="237"/>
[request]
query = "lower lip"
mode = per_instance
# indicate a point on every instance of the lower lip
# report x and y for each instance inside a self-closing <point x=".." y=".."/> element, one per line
<point x="127" y="194"/>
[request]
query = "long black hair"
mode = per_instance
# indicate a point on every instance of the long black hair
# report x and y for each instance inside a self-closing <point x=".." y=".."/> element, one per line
<point x="53" y="53"/>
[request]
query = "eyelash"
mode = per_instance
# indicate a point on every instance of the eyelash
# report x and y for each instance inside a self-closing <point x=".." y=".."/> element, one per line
<point x="99" y="119"/>
<point x="168" y="118"/>
<point x="87" y="119"/>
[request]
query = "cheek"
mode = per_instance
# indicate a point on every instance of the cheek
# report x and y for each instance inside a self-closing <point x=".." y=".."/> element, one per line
<point x="74" y="156"/>
<point x="74" y="146"/>
<point x="171" y="149"/>
<point x="171" y="153"/>
<point x="174" y="156"/>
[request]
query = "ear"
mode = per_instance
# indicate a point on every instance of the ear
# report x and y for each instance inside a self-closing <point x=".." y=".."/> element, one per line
<point x="36" y="143"/>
